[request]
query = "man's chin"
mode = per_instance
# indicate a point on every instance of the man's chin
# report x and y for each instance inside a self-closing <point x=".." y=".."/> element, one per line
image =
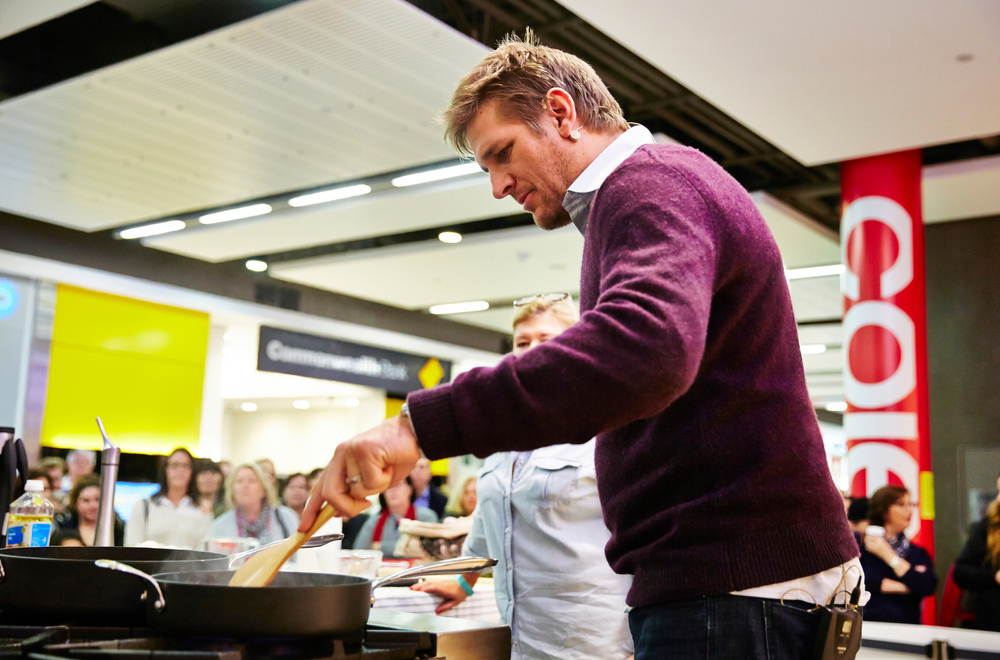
<point x="549" y="221"/>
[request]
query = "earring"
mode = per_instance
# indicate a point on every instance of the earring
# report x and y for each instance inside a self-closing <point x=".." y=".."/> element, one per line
<point x="574" y="135"/>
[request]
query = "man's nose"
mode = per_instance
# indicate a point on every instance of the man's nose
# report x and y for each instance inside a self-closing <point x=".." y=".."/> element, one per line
<point x="502" y="184"/>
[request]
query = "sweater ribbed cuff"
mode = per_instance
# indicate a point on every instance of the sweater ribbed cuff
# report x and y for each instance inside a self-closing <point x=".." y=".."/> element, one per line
<point x="433" y="417"/>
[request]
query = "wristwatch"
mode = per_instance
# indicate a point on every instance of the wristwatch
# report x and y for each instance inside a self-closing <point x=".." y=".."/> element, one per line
<point x="896" y="561"/>
<point x="404" y="412"/>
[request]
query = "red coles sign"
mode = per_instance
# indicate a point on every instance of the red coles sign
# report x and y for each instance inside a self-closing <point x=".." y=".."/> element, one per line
<point x="885" y="332"/>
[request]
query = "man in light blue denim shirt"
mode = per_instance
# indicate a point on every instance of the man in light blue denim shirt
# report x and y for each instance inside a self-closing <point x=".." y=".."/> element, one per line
<point x="538" y="513"/>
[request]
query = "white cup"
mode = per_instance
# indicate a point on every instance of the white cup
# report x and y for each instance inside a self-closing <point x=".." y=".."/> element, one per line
<point x="362" y="563"/>
<point x="875" y="530"/>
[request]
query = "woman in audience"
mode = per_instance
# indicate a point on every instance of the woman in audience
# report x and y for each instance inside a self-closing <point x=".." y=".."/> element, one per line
<point x="899" y="573"/>
<point x="172" y="516"/>
<point x="254" y="508"/>
<point x="563" y="601"/>
<point x="977" y="570"/>
<point x="463" y="499"/>
<point x="267" y="466"/>
<point x="208" y="481"/>
<point x="81" y="514"/>
<point x="296" y="493"/>
<point x="380" y="532"/>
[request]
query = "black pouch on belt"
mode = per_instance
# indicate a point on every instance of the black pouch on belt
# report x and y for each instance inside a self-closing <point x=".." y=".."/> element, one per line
<point x="838" y="636"/>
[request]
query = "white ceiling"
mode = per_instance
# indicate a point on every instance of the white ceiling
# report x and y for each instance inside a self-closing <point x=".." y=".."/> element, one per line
<point x="829" y="81"/>
<point x="490" y="266"/>
<point x="377" y="214"/>
<point x="315" y="92"/>
<point x="963" y="189"/>
<point x="17" y="15"/>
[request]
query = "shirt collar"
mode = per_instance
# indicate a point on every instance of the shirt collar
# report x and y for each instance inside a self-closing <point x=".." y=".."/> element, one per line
<point x="608" y="160"/>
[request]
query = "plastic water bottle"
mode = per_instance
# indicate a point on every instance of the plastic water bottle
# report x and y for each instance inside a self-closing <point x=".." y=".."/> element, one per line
<point x="30" y="521"/>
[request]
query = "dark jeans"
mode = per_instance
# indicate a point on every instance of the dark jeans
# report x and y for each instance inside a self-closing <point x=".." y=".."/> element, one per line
<point x="716" y="627"/>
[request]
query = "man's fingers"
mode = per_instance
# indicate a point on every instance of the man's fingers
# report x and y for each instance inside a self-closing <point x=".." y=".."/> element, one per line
<point x="313" y="505"/>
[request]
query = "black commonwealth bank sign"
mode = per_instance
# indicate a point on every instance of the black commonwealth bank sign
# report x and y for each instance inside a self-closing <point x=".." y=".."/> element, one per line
<point x="299" y="354"/>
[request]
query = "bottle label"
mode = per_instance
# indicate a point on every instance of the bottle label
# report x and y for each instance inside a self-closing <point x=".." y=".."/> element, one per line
<point x="33" y="534"/>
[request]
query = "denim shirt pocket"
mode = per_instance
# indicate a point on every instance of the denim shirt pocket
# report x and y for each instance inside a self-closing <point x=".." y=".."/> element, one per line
<point x="553" y="480"/>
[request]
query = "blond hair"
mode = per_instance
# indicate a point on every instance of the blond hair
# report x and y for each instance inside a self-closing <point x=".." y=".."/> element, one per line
<point x="518" y="75"/>
<point x="269" y="493"/>
<point x="561" y="309"/>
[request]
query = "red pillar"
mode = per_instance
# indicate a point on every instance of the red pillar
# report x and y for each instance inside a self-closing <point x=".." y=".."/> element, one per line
<point x="885" y="332"/>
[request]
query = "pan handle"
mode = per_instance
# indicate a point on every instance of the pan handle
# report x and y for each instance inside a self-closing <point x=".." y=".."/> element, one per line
<point x="446" y="567"/>
<point x="125" y="568"/>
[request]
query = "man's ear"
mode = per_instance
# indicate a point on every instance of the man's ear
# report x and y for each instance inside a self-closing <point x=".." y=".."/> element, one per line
<point x="561" y="111"/>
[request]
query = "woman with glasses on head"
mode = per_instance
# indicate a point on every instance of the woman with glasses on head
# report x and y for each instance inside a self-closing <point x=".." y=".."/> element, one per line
<point x="538" y="512"/>
<point x="173" y="515"/>
<point x="899" y="573"/>
<point x="254" y="508"/>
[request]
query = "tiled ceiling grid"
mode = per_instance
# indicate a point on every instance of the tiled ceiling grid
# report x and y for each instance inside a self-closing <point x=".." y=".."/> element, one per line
<point x="319" y="91"/>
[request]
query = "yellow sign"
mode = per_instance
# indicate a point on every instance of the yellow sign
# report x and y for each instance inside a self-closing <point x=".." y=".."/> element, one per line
<point x="138" y="365"/>
<point x="431" y="373"/>
<point x="927" y="496"/>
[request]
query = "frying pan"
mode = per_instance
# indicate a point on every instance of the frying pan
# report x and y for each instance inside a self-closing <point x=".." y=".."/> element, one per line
<point x="62" y="584"/>
<point x="292" y="605"/>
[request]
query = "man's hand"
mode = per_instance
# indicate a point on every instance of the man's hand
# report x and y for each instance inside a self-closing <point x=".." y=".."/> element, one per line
<point x="450" y="590"/>
<point x="364" y="465"/>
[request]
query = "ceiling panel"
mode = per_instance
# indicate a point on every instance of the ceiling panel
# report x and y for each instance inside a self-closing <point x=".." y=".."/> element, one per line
<point x="816" y="298"/>
<point x="830" y="81"/>
<point x="501" y="265"/>
<point x="16" y="16"/>
<point x="405" y="209"/>
<point x="801" y="240"/>
<point x="315" y="92"/>
<point x="964" y="189"/>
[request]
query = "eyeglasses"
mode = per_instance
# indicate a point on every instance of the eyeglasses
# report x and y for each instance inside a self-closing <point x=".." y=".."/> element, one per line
<point x="908" y="505"/>
<point x="544" y="297"/>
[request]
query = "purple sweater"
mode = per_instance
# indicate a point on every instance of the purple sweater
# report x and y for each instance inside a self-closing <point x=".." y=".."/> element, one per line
<point x="686" y="365"/>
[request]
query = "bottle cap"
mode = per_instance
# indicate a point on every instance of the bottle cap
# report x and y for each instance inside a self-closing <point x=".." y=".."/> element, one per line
<point x="34" y="486"/>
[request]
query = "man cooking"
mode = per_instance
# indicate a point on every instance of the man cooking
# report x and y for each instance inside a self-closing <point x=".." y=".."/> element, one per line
<point x="685" y="364"/>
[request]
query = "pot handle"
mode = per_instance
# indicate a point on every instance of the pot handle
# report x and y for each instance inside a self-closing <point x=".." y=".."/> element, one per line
<point x="446" y="567"/>
<point x="125" y="568"/>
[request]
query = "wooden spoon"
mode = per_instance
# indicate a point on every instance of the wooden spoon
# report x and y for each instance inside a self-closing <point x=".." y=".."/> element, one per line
<point x="261" y="568"/>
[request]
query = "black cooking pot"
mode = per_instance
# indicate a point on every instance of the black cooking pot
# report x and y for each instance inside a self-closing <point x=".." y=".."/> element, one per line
<point x="62" y="584"/>
<point x="292" y="605"/>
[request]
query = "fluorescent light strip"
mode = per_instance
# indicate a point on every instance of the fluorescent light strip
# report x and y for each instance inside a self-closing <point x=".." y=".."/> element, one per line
<point x="836" y="406"/>
<point x="816" y="271"/>
<point x="436" y="175"/>
<point x="330" y="195"/>
<point x="235" y="214"/>
<point x="459" y="308"/>
<point x="450" y="237"/>
<point x="256" y="265"/>
<point x="812" y="349"/>
<point x="154" y="229"/>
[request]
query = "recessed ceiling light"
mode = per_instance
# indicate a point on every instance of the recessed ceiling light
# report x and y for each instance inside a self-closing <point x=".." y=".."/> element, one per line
<point x="301" y="404"/>
<point x="228" y="350"/>
<point x="436" y="175"/>
<point x="235" y="214"/>
<point x="815" y="271"/>
<point x="459" y="308"/>
<point x="812" y="349"/>
<point x="154" y="229"/>
<point x="256" y="265"/>
<point x="227" y="336"/>
<point x="450" y="237"/>
<point x="248" y="406"/>
<point x="330" y="195"/>
<point x="836" y="406"/>
<point x="351" y="402"/>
